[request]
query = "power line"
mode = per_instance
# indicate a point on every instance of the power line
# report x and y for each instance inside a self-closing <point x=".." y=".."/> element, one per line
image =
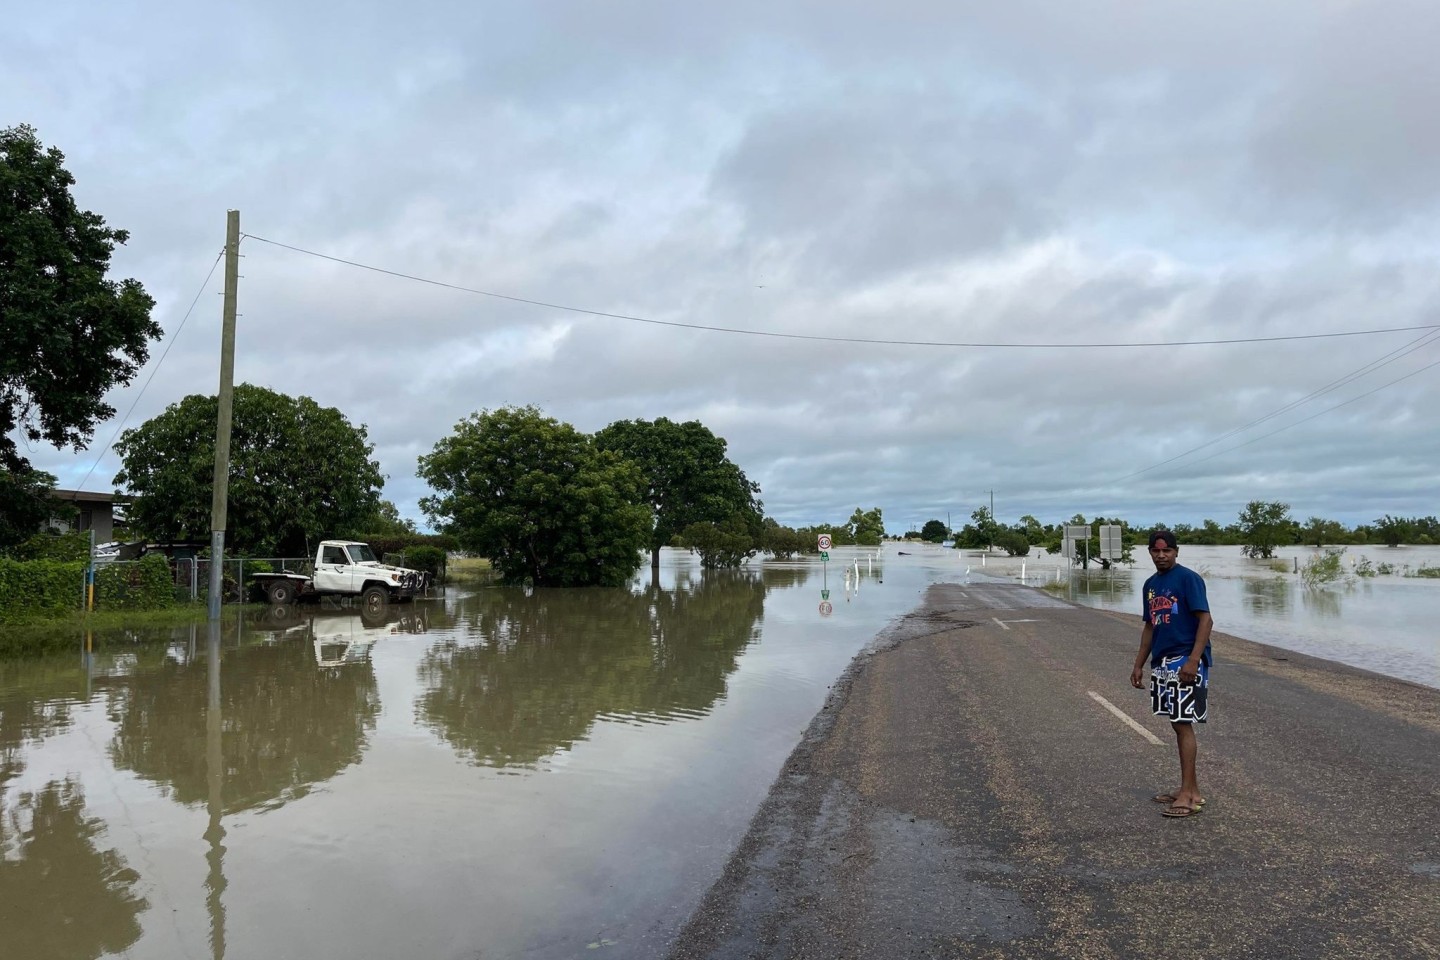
<point x="153" y="371"/>
<point x="830" y="339"/>
<point x="1346" y="403"/>
<point x="1371" y="367"/>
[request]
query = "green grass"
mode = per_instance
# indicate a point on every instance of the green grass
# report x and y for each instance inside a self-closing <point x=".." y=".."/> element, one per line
<point x="467" y="570"/>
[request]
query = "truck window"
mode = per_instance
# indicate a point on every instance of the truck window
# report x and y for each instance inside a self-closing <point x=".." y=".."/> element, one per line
<point x="361" y="553"/>
<point x="333" y="555"/>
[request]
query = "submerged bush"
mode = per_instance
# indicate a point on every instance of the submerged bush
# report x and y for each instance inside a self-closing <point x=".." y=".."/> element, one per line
<point x="1323" y="568"/>
<point x="1426" y="570"/>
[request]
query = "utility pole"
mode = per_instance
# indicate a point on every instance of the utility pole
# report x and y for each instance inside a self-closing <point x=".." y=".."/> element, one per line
<point x="991" y="545"/>
<point x="221" y="488"/>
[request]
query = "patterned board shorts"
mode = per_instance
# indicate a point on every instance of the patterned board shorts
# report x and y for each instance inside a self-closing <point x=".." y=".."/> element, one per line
<point x="1176" y="703"/>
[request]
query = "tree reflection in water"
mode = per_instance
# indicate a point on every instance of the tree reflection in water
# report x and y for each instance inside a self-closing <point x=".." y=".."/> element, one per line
<point x="542" y="667"/>
<point x="288" y="725"/>
<point x="35" y="703"/>
<point x="61" y="896"/>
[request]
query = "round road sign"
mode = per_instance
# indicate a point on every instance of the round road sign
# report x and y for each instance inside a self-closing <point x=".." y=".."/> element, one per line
<point x="826" y="608"/>
<point x="824" y="541"/>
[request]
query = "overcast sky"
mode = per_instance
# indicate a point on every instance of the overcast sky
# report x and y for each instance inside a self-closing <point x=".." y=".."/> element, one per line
<point x="1008" y="172"/>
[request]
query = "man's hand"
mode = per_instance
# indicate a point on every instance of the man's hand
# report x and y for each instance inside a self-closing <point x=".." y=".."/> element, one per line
<point x="1137" y="676"/>
<point x="1189" y="672"/>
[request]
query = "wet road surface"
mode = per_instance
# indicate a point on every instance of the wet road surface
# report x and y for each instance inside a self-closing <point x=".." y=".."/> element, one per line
<point x="966" y="792"/>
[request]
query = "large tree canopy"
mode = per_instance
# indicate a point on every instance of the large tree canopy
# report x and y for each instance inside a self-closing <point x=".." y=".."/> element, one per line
<point x="688" y="478"/>
<point x="67" y="334"/>
<point x="538" y="498"/>
<point x="299" y="473"/>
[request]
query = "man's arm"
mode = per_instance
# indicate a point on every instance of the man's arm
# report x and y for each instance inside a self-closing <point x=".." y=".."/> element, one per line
<point x="1190" y="669"/>
<point x="1147" y="637"/>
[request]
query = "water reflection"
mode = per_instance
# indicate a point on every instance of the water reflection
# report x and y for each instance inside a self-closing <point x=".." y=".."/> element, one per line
<point x="1322" y="601"/>
<point x="35" y="702"/>
<point x="534" y="672"/>
<point x="60" y="895"/>
<point x="1266" y="597"/>
<point x="288" y="724"/>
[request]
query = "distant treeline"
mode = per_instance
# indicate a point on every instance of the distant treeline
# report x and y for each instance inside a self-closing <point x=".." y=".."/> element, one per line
<point x="1260" y="528"/>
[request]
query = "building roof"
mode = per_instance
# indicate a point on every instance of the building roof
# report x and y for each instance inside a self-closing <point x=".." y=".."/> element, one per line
<point x="88" y="496"/>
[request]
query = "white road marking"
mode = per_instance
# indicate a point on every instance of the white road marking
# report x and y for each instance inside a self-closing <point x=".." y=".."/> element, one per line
<point x="1124" y="717"/>
<point x="1001" y="622"/>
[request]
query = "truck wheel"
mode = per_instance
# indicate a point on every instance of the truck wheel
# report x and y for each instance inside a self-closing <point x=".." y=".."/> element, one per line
<point x="375" y="599"/>
<point x="281" y="592"/>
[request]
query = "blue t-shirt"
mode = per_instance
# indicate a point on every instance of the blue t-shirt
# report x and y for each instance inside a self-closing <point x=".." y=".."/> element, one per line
<point x="1170" y="601"/>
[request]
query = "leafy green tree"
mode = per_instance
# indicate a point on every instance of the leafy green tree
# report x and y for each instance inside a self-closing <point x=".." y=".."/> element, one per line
<point x="24" y="504"/>
<point x="688" y="477"/>
<point x="782" y="542"/>
<point x="1264" y="525"/>
<point x="299" y="472"/>
<point x="866" y="527"/>
<point x="385" y="520"/>
<point x="1394" y="531"/>
<point x="1320" y="531"/>
<point x="1035" y="532"/>
<point x="722" y="545"/>
<point x="985" y="525"/>
<point x="934" y="531"/>
<point x="67" y="334"/>
<point x="539" y="498"/>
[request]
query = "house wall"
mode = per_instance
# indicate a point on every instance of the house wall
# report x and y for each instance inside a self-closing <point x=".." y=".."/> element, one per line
<point x="97" y="515"/>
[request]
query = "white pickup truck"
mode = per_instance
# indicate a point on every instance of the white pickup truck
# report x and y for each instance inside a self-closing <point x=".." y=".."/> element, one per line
<point x="345" y="568"/>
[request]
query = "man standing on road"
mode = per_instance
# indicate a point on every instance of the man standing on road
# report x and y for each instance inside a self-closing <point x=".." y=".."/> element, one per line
<point x="1176" y="638"/>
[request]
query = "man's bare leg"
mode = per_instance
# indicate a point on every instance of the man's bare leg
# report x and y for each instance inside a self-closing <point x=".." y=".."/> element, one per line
<point x="1189" y="793"/>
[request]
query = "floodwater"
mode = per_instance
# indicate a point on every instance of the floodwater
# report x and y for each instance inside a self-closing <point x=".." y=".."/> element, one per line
<point x="498" y="773"/>
<point x="1388" y="623"/>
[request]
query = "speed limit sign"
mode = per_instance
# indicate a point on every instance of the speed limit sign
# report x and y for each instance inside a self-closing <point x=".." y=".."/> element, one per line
<point x="826" y="608"/>
<point x="824" y="543"/>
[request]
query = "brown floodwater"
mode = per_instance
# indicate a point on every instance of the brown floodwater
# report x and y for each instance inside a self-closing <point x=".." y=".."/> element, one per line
<point x="495" y="773"/>
<point x="498" y="773"/>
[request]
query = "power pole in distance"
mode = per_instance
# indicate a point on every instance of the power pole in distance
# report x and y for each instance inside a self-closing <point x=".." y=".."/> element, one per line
<point x="221" y="488"/>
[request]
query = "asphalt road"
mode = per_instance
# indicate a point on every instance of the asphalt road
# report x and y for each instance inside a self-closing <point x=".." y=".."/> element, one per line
<point x="965" y="794"/>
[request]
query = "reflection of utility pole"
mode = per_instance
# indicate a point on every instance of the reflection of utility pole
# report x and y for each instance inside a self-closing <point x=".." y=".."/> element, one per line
<point x="215" y="782"/>
<point x="221" y="488"/>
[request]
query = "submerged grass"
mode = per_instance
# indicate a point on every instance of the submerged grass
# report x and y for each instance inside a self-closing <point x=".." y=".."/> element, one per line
<point x="105" y="626"/>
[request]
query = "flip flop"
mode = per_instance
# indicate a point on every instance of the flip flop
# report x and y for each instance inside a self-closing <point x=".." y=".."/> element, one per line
<point x="1180" y="811"/>
<point x="1169" y="798"/>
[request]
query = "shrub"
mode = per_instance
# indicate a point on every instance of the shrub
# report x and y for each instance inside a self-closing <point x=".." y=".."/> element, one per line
<point x="1323" y="567"/>
<point x="427" y="558"/>
<point x="1364" y="567"/>
<point x="33" y="588"/>
<point x="145" y="584"/>
<point x="1426" y="570"/>
<point x="1013" y="542"/>
<point x="65" y="547"/>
